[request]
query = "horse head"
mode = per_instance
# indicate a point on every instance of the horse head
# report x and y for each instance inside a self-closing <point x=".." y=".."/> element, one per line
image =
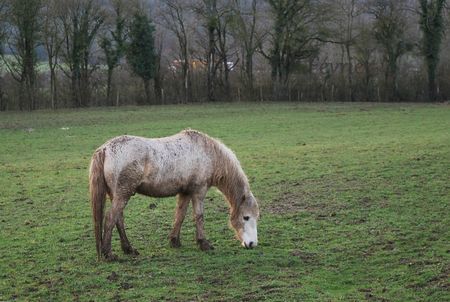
<point x="244" y="218"/>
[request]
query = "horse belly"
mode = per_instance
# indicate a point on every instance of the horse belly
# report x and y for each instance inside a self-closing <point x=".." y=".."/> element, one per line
<point x="155" y="189"/>
<point x="170" y="184"/>
<point x="164" y="182"/>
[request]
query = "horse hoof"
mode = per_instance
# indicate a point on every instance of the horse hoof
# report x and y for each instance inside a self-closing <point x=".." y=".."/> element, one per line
<point x="110" y="257"/>
<point x="205" y="245"/>
<point x="175" y="242"/>
<point x="131" y="251"/>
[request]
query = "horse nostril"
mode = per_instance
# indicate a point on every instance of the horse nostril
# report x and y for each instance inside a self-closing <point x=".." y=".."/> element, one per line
<point x="250" y="245"/>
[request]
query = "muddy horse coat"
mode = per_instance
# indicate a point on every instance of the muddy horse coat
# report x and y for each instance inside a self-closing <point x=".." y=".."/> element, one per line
<point x="186" y="164"/>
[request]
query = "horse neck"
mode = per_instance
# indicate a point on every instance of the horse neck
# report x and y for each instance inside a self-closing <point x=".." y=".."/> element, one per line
<point x="230" y="179"/>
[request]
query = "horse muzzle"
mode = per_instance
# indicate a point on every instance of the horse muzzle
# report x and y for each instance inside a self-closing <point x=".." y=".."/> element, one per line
<point x="250" y="244"/>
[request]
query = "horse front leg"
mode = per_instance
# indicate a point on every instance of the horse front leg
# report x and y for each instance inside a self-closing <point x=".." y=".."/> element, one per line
<point x="118" y="204"/>
<point x="124" y="242"/>
<point x="197" y="204"/>
<point x="180" y="213"/>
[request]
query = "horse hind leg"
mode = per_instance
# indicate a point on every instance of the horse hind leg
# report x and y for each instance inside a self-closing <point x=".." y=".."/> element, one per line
<point x="124" y="242"/>
<point x="180" y="214"/>
<point x="111" y="219"/>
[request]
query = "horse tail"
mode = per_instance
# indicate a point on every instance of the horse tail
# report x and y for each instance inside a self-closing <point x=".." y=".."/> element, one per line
<point x="98" y="190"/>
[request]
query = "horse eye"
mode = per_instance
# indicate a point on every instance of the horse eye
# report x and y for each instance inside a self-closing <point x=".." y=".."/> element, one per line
<point x="246" y="218"/>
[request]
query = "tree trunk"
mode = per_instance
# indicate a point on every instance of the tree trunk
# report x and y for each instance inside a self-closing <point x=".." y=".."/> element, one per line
<point x="53" y="87"/>
<point x="350" y="72"/>
<point x="31" y="94"/>
<point x="147" y="92"/>
<point x="390" y="78"/>
<point x="211" y="64"/>
<point x="226" y="78"/>
<point x="432" y="90"/>
<point x="28" y="81"/>
<point x="109" y="100"/>
<point x="2" y="99"/>
<point x="74" y="88"/>
<point x="367" y="80"/>
<point x="395" y="93"/>
<point x="249" y="71"/>
<point x="84" y="85"/>
<point x="187" y="84"/>
<point x="21" y="96"/>
<point x="211" y="59"/>
<point x="158" y="78"/>
<point x="158" y="88"/>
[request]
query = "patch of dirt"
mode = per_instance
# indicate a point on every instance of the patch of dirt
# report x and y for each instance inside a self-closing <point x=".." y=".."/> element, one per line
<point x="126" y="285"/>
<point x="200" y="279"/>
<point x="312" y="196"/>
<point x="271" y="288"/>
<point x="318" y="196"/>
<point x="113" y="277"/>
<point x="382" y="245"/>
<point x="389" y="246"/>
<point x="358" y="221"/>
<point x="441" y="280"/>
<point x="24" y="199"/>
<point x="368" y="294"/>
<point x="306" y="257"/>
<point x="117" y="297"/>
<point x="366" y="202"/>
<point x="52" y="284"/>
<point x="250" y="297"/>
<point x="371" y="297"/>
<point x="216" y="281"/>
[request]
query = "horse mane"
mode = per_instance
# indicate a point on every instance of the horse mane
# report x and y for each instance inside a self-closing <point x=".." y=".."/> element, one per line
<point x="228" y="175"/>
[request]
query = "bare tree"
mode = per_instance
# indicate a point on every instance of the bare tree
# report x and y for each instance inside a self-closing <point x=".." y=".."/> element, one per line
<point x="113" y="43"/>
<point x="245" y="30"/>
<point x="23" y="39"/>
<point x="81" y="21"/>
<point x="175" y="19"/>
<point x="225" y="45"/>
<point x="320" y="50"/>
<point x="293" y="38"/>
<point x="390" y="33"/>
<point x="207" y="11"/>
<point x="342" y="31"/>
<point x="432" y="25"/>
<point x="3" y="13"/>
<point x="53" y="41"/>
<point x="365" y="54"/>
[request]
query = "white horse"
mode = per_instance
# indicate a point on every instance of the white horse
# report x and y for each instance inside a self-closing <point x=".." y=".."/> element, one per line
<point x="186" y="164"/>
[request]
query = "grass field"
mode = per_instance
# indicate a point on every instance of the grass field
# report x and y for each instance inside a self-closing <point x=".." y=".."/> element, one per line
<point x="354" y="201"/>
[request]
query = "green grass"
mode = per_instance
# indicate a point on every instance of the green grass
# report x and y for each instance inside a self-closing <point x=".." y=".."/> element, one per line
<point x="354" y="206"/>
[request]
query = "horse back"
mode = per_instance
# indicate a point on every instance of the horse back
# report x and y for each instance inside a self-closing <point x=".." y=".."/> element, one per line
<point x="157" y="167"/>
